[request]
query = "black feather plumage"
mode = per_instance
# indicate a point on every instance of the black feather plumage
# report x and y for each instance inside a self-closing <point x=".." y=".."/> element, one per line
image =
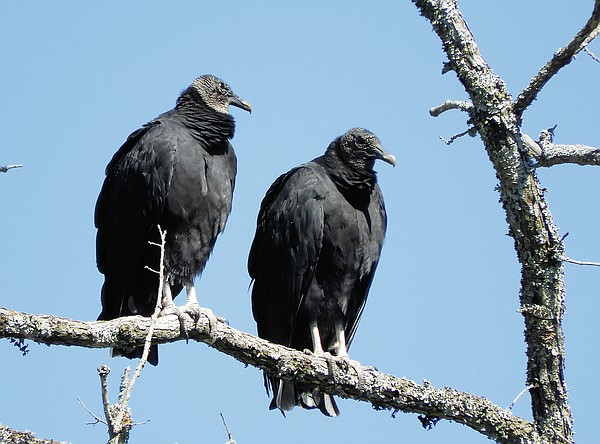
<point x="177" y="172"/>
<point x="320" y="231"/>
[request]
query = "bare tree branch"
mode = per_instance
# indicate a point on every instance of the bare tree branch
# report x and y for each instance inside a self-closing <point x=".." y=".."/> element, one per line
<point x="4" y="169"/>
<point x="451" y="104"/>
<point x="591" y="54"/>
<point x="521" y="393"/>
<point x="92" y="414"/>
<point x="230" y="439"/>
<point x="549" y="154"/>
<point x="576" y="154"/>
<point x="538" y="244"/>
<point x="573" y="261"/>
<point x="561" y="58"/>
<point x="10" y="436"/>
<point x="334" y="375"/>
<point x="469" y="131"/>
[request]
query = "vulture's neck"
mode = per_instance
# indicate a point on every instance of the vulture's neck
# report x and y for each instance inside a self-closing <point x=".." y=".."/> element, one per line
<point x="355" y="183"/>
<point x="204" y="123"/>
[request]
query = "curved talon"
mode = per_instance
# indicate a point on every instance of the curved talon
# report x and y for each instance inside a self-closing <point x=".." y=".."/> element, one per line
<point x="193" y="311"/>
<point x="360" y="373"/>
<point x="348" y="364"/>
<point x="331" y="364"/>
<point x="212" y="323"/>
<point x="182" y="325"/>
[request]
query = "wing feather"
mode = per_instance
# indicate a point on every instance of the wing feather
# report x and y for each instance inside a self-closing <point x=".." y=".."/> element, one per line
<point x="129" y="206"/>
<point x="285" y="250"/>
<point x="373" y="248"/>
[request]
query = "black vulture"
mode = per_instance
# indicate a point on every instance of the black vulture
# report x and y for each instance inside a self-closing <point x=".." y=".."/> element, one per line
<point x="177" y="172"/>
<point x="319" y="235"/>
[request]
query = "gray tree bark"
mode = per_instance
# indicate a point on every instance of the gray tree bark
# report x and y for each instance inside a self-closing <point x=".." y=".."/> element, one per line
<point x="10" y="436"/>
<point x="540" y="250"/>
<point x="337" y="376"/>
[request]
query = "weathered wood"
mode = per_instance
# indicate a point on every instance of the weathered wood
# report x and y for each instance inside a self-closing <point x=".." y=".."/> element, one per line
<point x="538" y="244"/>
<point x="335" y="375"/>
<point x="574" y="154"/>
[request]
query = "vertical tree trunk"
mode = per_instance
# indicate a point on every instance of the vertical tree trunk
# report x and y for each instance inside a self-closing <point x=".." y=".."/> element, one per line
<point x="537" y="242"/>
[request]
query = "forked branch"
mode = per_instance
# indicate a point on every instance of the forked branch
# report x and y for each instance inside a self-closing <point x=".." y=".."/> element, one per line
<point x="561" y="58"/>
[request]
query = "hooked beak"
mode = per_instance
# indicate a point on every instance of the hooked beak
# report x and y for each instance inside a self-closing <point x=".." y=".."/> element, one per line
<point x="385" y="156"/>
<point x="236" y="101"/>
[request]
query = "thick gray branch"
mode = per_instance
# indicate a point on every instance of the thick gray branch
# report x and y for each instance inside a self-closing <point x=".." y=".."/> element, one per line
<point x="578" y="154"/>
<point x="334" y="375"/>
<point x="561" y="58"/>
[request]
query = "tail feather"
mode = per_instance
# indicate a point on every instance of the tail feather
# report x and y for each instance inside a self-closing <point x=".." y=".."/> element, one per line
<point x="315" y="398"/>
<point x="136" y="353"/>
<point x="287" y="395"/>
<point x="116" y="304"/>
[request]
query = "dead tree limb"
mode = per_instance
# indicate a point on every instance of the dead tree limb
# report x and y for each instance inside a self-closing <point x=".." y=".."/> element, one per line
<point x="4" y="169"/>
<point x="10" y="436"/>
<point x="561" y="58"/>
<point x="549" y="154"/>
<point x="574" y="154"/>
<point x="451" y="104"/>
<point x="382" y="390"/>
<point x="538" y="244"/>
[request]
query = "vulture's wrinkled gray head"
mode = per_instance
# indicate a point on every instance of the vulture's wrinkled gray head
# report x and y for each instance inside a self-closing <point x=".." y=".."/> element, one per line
<point x="217" y="94"/>
<point x="359" y="148"/>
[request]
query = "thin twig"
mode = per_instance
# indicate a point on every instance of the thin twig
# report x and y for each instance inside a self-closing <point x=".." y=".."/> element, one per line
<point x="561" y="58"/>
<point x="470" y="131"/>
<point x="118" y="416"/>
<point x="591" y="54"/>
<point x="512" y="404"/>
<point x="92" y="414"/>
<point x="126" y="393"/>
<point x="230" y="439"/>
<point x="4" y="169"/>
<point x="573" y="261"/>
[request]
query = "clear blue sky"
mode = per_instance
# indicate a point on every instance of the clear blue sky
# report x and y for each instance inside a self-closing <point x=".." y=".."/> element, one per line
<point x="77" y="78"/>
